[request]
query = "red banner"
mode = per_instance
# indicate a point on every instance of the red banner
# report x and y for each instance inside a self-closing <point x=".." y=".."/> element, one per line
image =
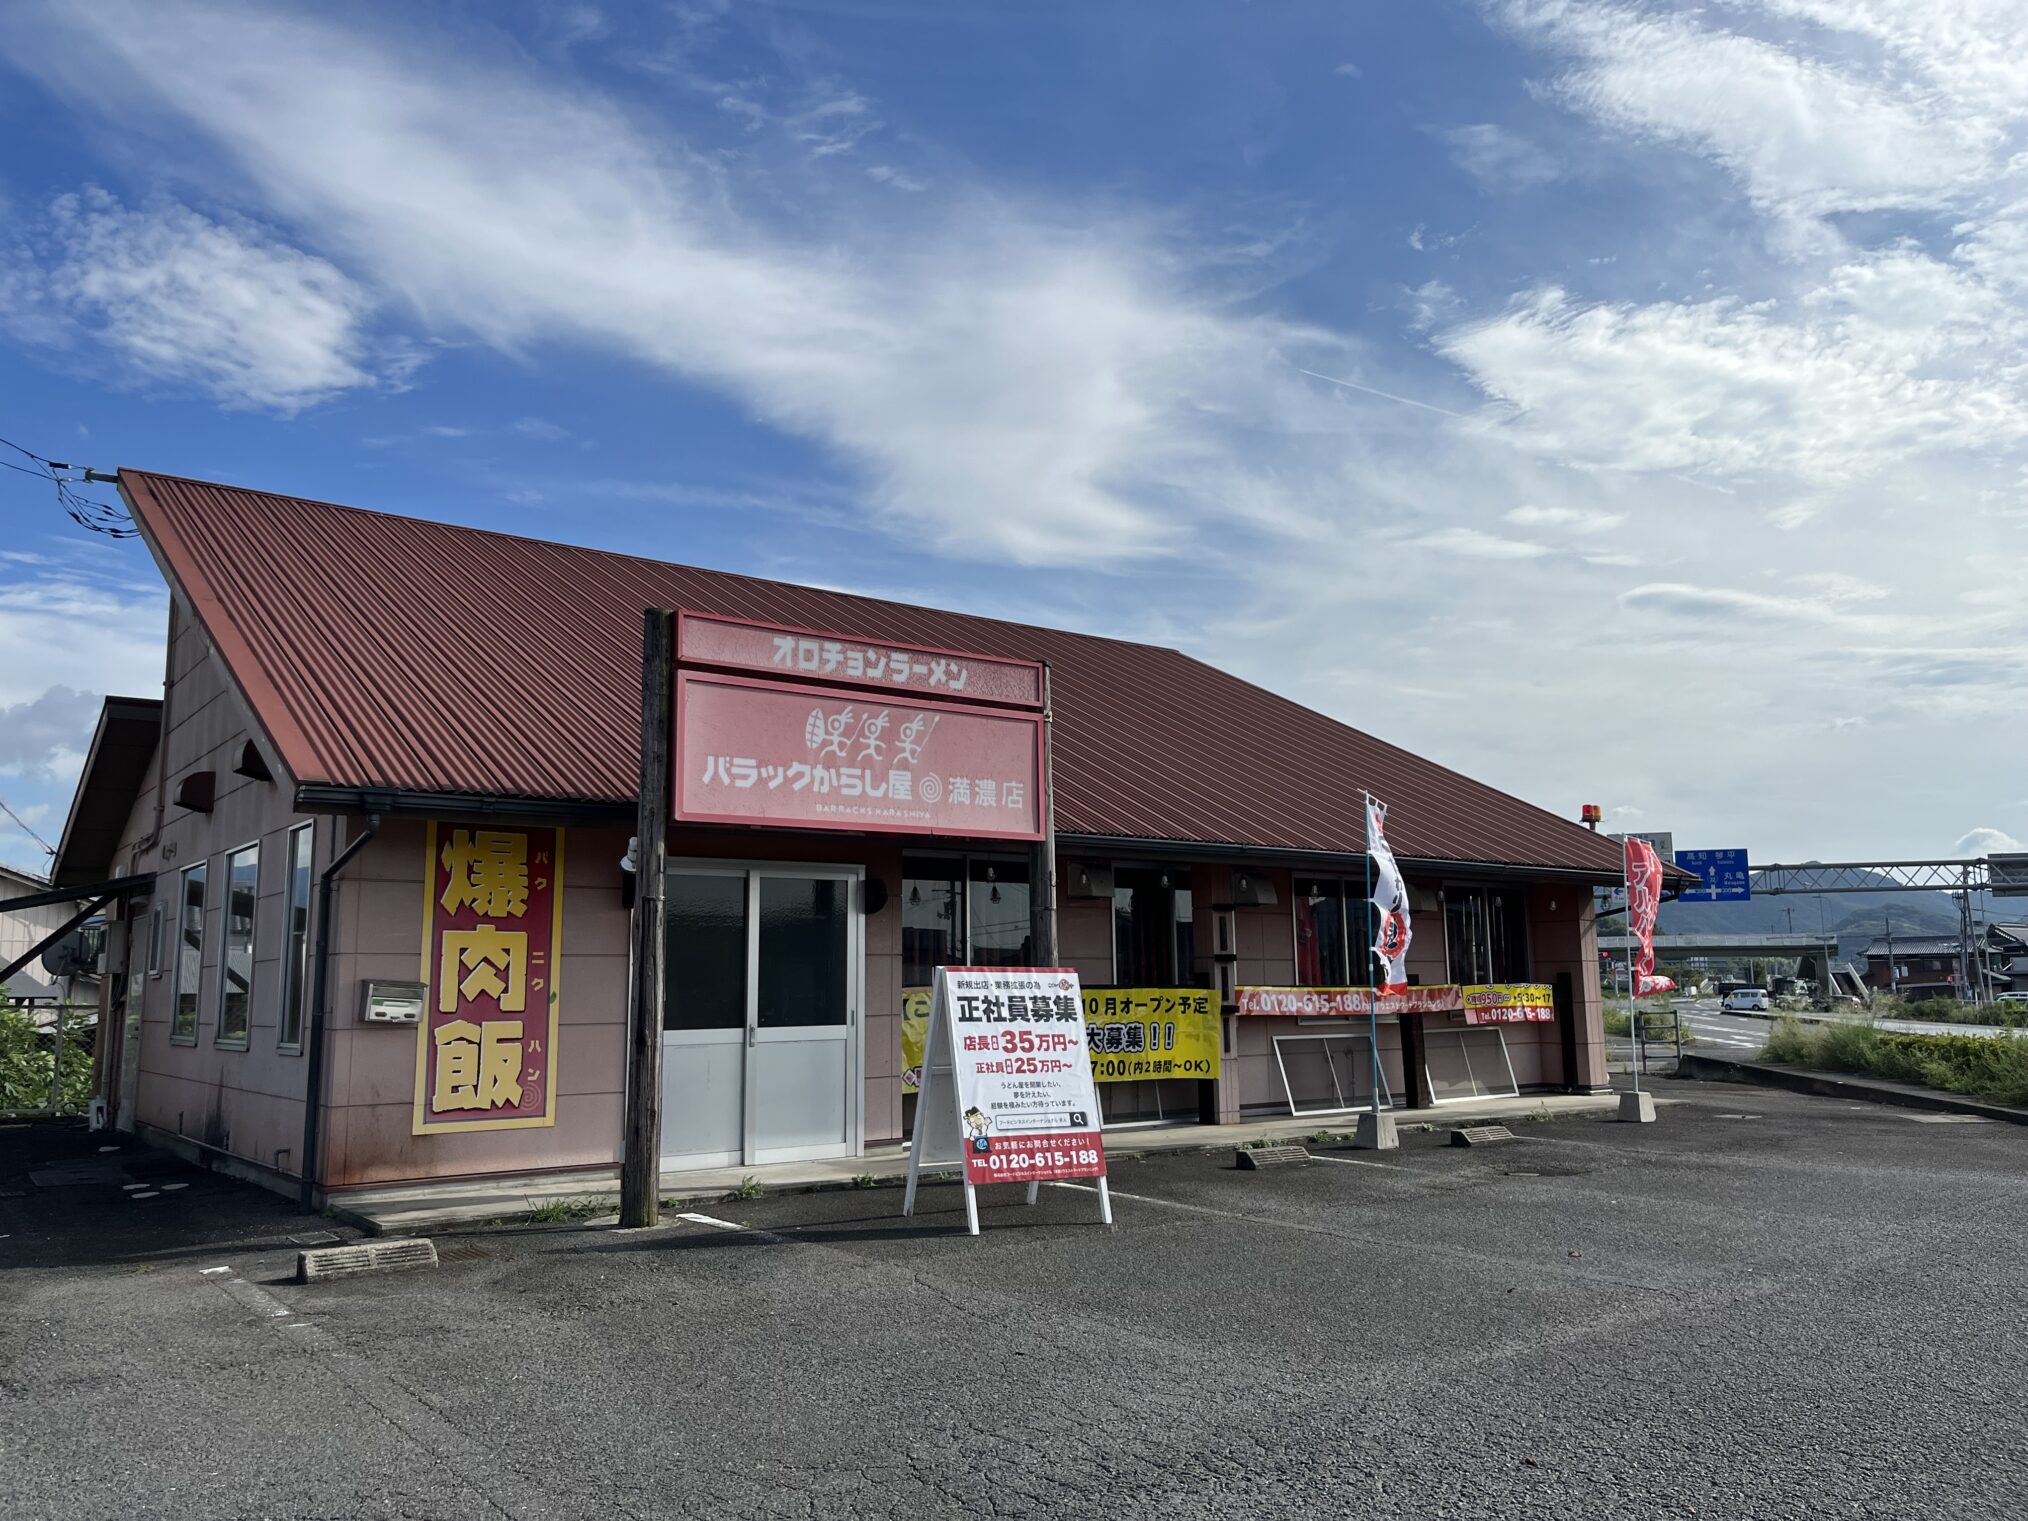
<point x="807" y="757"/>
<point x="1644" y="902"/>
<point x="1037" y="1158"/>
<point x="492" y="934"/>
<point x="1346" y="1003"/>
<point x="1504" y="1003"/>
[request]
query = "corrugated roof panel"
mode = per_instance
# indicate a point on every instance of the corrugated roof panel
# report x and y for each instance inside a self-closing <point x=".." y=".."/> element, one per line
<point x="390" y="652"/>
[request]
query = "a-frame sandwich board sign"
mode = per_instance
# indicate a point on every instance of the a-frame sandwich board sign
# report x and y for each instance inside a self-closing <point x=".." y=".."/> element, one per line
<point x="1006" y="1088"/>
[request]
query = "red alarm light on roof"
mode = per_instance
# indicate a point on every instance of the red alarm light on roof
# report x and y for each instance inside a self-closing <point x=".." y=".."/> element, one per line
<point x="1591" y="815"/>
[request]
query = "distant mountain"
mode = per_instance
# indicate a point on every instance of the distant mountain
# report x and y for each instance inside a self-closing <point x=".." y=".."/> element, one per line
<point x="1855" y="918"/>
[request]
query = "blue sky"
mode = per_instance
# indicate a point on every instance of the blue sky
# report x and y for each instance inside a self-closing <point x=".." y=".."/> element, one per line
<point x="1619" y="401"/>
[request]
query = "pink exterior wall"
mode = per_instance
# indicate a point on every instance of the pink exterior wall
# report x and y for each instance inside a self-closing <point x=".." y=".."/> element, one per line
<point x="377" y="933"/>
<point x="246" y="1103"/>
<point x="1562" y="938"/>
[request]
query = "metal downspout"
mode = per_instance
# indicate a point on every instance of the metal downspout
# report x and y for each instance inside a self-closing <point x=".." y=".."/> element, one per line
<point x="320" y="1003"/>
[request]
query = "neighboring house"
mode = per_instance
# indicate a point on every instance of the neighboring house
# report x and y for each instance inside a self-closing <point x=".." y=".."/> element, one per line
<point x="1927" y="965"/>
<point x="23" y="929"/>
<point x="370" y="912"/>
<point x="2008" y="960"/>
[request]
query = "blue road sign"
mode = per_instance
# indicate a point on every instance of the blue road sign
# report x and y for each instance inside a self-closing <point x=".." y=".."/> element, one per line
<point x="1727" y="878"/>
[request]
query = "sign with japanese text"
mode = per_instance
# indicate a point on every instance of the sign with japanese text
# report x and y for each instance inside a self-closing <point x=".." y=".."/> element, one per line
<point x="1026" y="1106"/>
<point x="1503" y="1003"/>
<point x="1508" y="1004"/>
<point x="1345" y="1003"/>
<point x="1726" y="876"/>
<point x="492" y="938"/>
<point x="705" y="639"/>
<point x="1131" y="1034"/>
<point x="807" y="757"/>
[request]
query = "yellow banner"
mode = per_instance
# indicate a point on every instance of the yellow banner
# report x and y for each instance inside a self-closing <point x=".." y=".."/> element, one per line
<point x="1131" y="1034"/>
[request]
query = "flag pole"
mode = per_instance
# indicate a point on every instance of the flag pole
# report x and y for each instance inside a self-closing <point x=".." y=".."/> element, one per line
<point x="1633" y="967"/>
<point x="1372" y="998"/>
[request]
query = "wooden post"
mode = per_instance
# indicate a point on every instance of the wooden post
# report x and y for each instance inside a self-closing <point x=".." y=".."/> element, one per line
<point x="1042" y="859"/>
<point x="641" y="1152"/>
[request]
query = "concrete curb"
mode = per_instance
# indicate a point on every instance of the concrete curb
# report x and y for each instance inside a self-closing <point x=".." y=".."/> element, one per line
<point x="509" y="1211"/>
<point x="1840" y="1085"/>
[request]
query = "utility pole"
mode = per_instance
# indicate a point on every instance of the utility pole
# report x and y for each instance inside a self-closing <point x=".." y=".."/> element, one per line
<point x="641" y="1150"/>
<point x="1893" y="971"/>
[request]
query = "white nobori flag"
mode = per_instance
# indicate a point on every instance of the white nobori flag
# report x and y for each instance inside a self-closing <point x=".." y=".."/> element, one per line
<point x="1390" y="896"/>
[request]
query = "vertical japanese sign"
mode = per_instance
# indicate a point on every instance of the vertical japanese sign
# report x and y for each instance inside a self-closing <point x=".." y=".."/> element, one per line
<point x="1644" y="902"/>
<point x="492" y="939"/>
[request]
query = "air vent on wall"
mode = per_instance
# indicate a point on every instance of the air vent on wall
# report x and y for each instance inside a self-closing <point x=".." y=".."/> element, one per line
<point x="197" y="791"/>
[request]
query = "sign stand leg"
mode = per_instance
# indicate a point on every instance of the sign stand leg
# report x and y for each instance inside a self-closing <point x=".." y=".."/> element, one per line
<point x="1105" y="1202"/>
<point x="1034" y="1192"/>
<point x="914" y="1168"/>
<point x="971" y="1209"/>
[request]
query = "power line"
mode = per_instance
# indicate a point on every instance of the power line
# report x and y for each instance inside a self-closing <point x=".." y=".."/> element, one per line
<point x="87" y="512"/>
<point x="22" y="824"/>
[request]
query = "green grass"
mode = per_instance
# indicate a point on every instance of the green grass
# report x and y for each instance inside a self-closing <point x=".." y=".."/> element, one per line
<point x="749" y="1188"/>
<point x="564" y="1211"/>
<point x="1617" y="1020"/>
<point x="1991" y="1067"/>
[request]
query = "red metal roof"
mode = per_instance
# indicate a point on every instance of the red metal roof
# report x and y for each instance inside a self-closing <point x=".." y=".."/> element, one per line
<point x="390" y="652"/>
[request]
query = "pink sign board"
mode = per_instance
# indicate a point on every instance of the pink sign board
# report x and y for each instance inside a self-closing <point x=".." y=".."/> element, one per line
<point x="804" y="655"/>
<point x="808" y="757"/>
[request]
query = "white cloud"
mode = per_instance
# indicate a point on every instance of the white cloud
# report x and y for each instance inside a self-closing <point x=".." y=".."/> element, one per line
<point x="1576" y="520"/>
<point x="1985" y="841"/>
<point x="1803" y="134"/>
<point x="1726" y="387"/>
<point x="1500" y="159"/>
<point x="222" y="307"/>
<point x="893" y="178"/>
<point x="64" y="630"/>
<point x="45" y="737"/>
<point x="1010" y="385"/>
<point x="1477" y="544"/>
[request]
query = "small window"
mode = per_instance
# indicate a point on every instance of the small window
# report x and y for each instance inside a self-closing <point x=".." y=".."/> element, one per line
<point x="235" y="961"/>
<point x="1154" y="930"/>
<point x="1485" y="935"/>
<point x="1334" y="933"/>
<point x="189" y="953"/>
<point x="157" y="917"/>
<point x="296" y="937"/>
<point x="932" y="918"/>
<point x="997" y="905"/>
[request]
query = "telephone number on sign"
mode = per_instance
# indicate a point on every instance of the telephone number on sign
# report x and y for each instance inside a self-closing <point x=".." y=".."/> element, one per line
<point x="1025" y="1161"/>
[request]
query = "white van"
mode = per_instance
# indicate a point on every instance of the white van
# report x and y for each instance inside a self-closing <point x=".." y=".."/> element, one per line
<point x="1747" y="1001"/>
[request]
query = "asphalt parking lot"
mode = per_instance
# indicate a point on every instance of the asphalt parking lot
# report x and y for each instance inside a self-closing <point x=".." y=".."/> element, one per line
<point x="1765" y="1305"/>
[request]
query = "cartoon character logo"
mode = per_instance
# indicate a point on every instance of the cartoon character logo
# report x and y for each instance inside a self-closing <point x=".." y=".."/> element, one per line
<point x="978" y="1122"/>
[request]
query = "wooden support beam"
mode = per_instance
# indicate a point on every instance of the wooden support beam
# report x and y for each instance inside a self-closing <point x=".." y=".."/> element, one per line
<point x="641" y="1150"/>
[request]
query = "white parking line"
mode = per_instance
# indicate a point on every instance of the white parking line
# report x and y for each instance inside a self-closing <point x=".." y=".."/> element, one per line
<point x="724" y="1225"/>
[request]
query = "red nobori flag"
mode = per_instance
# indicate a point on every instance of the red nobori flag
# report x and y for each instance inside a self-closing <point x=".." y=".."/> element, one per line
<point x="1644" y="901"/>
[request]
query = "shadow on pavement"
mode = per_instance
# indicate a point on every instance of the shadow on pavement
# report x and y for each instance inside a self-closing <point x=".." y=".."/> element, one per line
<point x="72" y="1197"/>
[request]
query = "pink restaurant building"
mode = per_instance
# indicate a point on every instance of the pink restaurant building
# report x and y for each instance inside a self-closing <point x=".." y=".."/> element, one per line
<point x="369" y="724"/>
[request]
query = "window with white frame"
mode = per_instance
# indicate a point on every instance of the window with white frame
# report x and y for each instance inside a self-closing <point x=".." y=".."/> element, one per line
<point x="296" y="938"/>
<point x="236" y="950"/>
<point x="189" y="952"/>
